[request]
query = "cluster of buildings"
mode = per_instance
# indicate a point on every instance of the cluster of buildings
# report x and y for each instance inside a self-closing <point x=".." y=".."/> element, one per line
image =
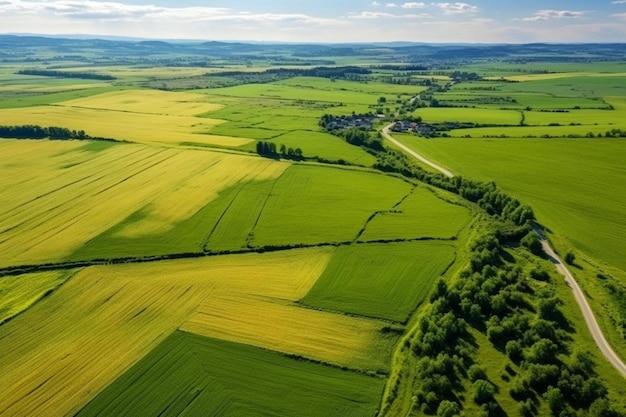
<point x="410" y="126"/>
<point x="359" y="121"/>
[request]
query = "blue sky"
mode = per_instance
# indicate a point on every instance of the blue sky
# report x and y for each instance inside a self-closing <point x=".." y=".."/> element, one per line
<point x="487" y="21"/>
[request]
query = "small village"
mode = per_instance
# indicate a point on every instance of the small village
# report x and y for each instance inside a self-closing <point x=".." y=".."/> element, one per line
<point x="366" y="122"/>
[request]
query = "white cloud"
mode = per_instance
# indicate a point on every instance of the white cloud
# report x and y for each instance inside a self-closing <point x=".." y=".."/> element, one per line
<point x="115" y="11"/>
<point x="620" y="2"/>
<point x="415" y="5"/>
<point x="456" y="8"/>
<point x="619" y="16"/>
<point x="391" y="5"/>
<point x="376" y="4"/>
<point x="553" y="14"/>
<point x="370" y="15"/>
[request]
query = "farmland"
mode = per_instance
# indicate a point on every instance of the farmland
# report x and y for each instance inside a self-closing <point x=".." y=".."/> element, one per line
<point x="121" y="313"/>
<point x="164" y="265"/>
<point x="201" y="382"/>
<point x="384" y="281"/>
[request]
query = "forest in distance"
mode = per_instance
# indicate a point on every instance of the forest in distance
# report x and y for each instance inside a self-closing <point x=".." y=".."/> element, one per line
<point x="223" y="228"/>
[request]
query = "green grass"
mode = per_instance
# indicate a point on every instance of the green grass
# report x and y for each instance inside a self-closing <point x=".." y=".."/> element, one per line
<point x="19" y="292"/>
<point x="575" y="186"/>
<point x="195" y="376"/>
<point x="324" y="145"/>
<point x="278" y="91"/>
<point x="369" y="87"/>
<point x="313" y="205"/>
<point x="480" y="116"/>
<point x="538" y="131"/>
<point x="421" y="214"/>
<point x="386" y="281"/>
<point x="233" y="227"/>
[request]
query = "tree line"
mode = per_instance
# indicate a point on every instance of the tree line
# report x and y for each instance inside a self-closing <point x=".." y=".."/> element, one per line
<point x="269" y="150"/>
<point x="39" y="132"/>
<point x="66" y="74"/>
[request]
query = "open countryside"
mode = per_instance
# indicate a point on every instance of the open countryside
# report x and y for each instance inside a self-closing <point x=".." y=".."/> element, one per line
<point x="215" y="231"/>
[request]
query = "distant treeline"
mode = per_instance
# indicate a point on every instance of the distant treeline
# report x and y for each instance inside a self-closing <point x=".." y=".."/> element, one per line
<point x="67" y="74"/>
<point x="323" y="72"/>
<point x="39" y="132"/>
<point x="409" y="67"/>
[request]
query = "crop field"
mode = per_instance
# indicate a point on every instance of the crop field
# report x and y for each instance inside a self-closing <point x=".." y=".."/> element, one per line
<point x="386" y="281"/>
<point x="579" y="195"/>
<point x="18" y="293"/>
<point x="148" y="101"/>
<point x="377" y="88"/>
<point x="421" y="215"/>
<point x="479" y="116"/>
<point x="289" y="92"/>
<point x="155" y="128"/>
<point x="319" y="205"/>
<point x="324" y="145"/>
<point x="57" y="196"/>
<point x="192" y="375"/>
<point x="106" y="318"/>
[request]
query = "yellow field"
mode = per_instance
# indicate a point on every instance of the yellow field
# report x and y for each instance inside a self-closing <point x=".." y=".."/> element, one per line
<point x="18" y="293"/>
<point x="69" y="346"/>
<point x="280" y="326"/>
<point x="56" y="197"/>
<point x="147" y="101"/>
<point x="138" y="116"/>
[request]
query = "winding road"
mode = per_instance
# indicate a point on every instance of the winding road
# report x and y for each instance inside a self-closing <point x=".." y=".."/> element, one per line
<point x="585" y="308"/>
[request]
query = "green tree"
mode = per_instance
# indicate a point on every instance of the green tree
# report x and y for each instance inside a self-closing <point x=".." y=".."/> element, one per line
<point x="483" y="391"/>
<point x="448" y="409"/>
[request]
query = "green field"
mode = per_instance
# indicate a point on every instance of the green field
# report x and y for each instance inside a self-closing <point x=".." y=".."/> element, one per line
<point x="196" y="376"/>
<point x="319" y="205"/>
<point x="575" y="186"/>
<point x="423" y="214"/>
<point x="386" y="281"/>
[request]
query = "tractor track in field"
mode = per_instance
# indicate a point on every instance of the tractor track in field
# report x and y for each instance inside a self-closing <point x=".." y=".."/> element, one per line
<point x="579" y="296"/>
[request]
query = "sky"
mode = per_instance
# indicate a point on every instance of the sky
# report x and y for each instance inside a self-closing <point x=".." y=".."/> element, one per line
<point x="327" y="21"/>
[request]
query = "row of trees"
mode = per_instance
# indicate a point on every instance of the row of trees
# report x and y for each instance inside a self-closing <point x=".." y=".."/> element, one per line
<point x="39" y="132"/>
<point x="269" y="150"/>
<point x="67" y="74"/>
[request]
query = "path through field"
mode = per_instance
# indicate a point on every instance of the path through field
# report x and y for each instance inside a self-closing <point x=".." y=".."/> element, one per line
<point x="590" y="319"/>
<point x="387" y="135"/>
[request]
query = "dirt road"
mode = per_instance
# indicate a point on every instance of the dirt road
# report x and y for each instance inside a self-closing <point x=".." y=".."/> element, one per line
<point x="387" y="135"/>
<point x="590" y="319"/>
